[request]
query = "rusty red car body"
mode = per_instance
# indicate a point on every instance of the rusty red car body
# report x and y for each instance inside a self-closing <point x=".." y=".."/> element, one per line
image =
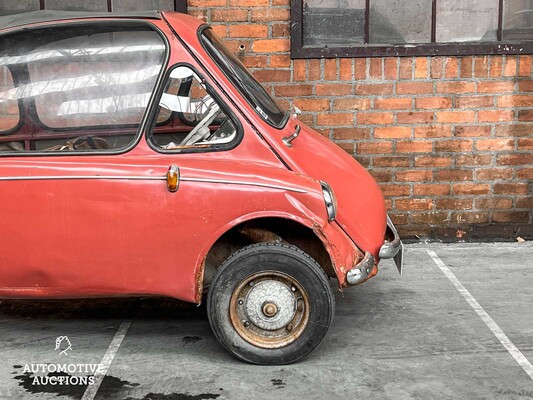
<point x="95" y="223"/>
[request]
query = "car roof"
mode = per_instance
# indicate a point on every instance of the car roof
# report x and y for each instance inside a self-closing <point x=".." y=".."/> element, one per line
<point x="28" y="18"/>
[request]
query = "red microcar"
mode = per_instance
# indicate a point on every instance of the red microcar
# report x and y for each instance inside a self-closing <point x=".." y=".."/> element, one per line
<point x="138" y="157"/>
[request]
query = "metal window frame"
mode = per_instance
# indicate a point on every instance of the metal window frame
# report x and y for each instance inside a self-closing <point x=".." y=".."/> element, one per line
<point x="150" y="110"/>
<point x="179" y="5"/>
<point x="299" y="50"/>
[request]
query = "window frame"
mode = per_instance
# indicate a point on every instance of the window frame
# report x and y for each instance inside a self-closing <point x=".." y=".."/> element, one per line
<point x="210" y="89"/>
<point x="150" y="109"/>
<point x="286" y="116"/>
<point x="299" y="50"/>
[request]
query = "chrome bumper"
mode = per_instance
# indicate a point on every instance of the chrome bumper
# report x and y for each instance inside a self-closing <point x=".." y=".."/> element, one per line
<point x="392" y="248"/>
<point x="367" y="267"/>
<point x="363" y="270"/>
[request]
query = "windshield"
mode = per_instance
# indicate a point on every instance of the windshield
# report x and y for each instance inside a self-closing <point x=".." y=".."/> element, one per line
<point x="247" y="85"/>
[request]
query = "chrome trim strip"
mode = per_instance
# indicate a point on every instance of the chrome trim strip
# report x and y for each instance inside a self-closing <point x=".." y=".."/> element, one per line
<point x="266" y="185"/>
<point x="147" y="178"/>
<point x="72" y="177"/>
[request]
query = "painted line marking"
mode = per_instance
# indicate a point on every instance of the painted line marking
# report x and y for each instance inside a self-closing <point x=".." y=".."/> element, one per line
<point x="491" y="324"/>
<point x="112" y="350"/>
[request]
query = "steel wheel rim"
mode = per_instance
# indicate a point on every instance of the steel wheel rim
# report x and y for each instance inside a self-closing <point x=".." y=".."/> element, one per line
<point x="262" y="312"/>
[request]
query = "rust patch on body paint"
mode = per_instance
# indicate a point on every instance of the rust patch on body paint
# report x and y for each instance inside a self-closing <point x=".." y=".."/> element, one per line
<point x="259" y="235"/>
<point x="331" y="249"/>
<point x="200" y="281"/>
<point x="335" y="254"/>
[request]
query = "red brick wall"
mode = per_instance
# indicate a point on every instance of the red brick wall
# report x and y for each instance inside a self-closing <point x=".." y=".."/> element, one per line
<point x="450" y="139"/>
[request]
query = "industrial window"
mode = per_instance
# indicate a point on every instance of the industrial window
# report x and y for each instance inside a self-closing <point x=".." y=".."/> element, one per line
<point x="18" y="6"/>
<point x="362" y="28"/>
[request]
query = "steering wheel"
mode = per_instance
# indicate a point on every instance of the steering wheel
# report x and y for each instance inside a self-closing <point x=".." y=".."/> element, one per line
<point x="92" y="142"/>
<point x="81" y="143"/>
<point x="204" y="123"/>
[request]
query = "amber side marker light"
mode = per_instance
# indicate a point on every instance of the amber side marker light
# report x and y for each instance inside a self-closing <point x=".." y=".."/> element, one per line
<point x="173" y="178"/>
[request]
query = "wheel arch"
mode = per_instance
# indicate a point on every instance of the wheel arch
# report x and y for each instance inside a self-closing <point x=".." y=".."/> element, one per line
<point x="262" y="229"/>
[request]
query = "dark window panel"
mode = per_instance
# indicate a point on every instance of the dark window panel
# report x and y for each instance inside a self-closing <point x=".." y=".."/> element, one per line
<point x="400" y="21"/>
<point x="467" y="20"/>
<point x="135" y="5"/>
<point x="333" y="22"/>
<point x="18" y="6"/>
<point x="76" y="5"/>
<point x="478" y="21"/>
<point x="518" y="20"/>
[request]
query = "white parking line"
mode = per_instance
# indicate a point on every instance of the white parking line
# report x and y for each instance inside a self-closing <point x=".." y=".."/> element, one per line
<point x="99" y="376"/>
<point x="493" y="326"/>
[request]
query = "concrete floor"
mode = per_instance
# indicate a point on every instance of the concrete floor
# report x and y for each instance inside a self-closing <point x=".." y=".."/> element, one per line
<point x="410" y="337"/>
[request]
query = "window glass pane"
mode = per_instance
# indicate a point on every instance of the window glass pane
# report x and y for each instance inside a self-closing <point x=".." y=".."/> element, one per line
<point x="249" y="87"/>
<point x="90" y="84"/>
<point x="18" y="6"/>
<point x="400" y="21"/>
<point x="136" y="5"/>
<point x="189" y="116"/>
<point x="467" y="20"/>
<point x="9" y="109"/>
<point x="75" y="89"/>
<point x="76" y="5"/>
<point x="333" y="22"/>
<point x="518" y="20"/>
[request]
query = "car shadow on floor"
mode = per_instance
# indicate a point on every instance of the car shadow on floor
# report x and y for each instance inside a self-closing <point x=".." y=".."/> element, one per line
<point x="103" y="308"/>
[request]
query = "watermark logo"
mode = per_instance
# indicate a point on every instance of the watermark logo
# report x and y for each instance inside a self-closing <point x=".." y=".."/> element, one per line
<point x="63" y="344"/>
<point x="62" y="374"/>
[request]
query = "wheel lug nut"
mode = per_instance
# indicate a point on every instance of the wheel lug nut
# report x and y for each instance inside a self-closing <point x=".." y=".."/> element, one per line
<point x="300" y="308"/>
<point x="289" y="328"/>
<point x="252" y="283"/>
<point x="241" y="302"/>
<point x="246" y="324"/>
<point x="293" y="288"/>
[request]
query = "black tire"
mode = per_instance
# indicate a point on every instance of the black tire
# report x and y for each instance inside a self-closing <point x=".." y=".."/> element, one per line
<point x="270" y="266"/>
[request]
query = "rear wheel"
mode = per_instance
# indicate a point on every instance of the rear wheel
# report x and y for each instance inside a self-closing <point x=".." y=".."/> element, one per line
<point x="270" y="303"/>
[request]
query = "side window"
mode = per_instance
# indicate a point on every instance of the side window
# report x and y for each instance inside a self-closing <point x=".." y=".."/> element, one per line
<point x="9" y="108"/>
<point x="79" y="89"/>
<point x="190" y="117"/>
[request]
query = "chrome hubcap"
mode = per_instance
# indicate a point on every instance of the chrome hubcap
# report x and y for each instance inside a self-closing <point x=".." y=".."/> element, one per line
<point x="270" y="305"/>
<point x="269" y="309"/>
